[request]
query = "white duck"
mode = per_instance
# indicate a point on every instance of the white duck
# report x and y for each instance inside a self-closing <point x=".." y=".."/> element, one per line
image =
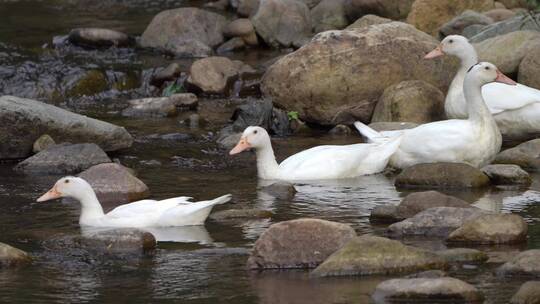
<point x="516" y="109"/>
<point x="176" y="211"/>
<point x="322" y="162"/>
<point x="475" y="140"/>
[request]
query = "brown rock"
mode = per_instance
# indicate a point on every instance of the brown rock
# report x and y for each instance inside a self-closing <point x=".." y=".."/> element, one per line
<point x="302" y="243"/>
<point x="528" y="293"/>
<point x="499" y="14"/>
<point x="410" y="101"/>
<point x="527" y="263"/>
<point x="333" y="74"/>
<point x="529" y="69"/>
<point x="114" y="183"/>
<point x="213" y="75"/>
<point x="11" y="256"/>
<point x="366" y="21"/>
<point x="442" y="175"/>
<point x="491" y="229"/>
<point x="429" y="15"/>
<point x="385" y="8"/>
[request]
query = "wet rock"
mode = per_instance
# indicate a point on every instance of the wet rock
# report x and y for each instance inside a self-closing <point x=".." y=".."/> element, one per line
<point x="213" y="75"/>
<point x="228" y="139"/>
<point x="366" y="21"/>
<point x="392" y="126"/>
<point x="160" y="106"/>
<point x="301" y="243"/>
<point x="463" y="255"/>
<point x="410" y="101"/>
<point x="340" y="130"/>
<point x="472" y="30"/>
<point x="459" y="23"/>
<point x="491" y="229"/>
<point x="120" y="240"/>
<point x="430" y="15"/>
<point x="428" y="274"/>
<point x="25" y="120"/>
<point x="384" y="8"/>
<point x="43" y="143"/>
<point x="260" y="113"/>
<point x="219" y="5"/>
<point x="231" y="45"/>
<point x="442" y="175"/>
<point x="280" y="190"/>
<point x="392" y="51"/>
<point x="184" y="24"/>
<point x="529" y="69"/>
<point x="500" y="14"/>
<point x="233" y="214"/>
<point x="170" y="73"/>
<point x="528" y="293"/>
<point x="369" y="255"/>
<point x="527" y="263"/>
<point x="114" y="183"/>
<point x="282" y="23"/>
<point x="98" y="37"/>
<point x="329" y="15"/>
<point x="434" y="222"/>
<point x="64" y="159"/>
<point x="427" y="289"/>
<point x="11" y="256"/>
<point x="507" y="175"/>
<point x="90" y="83"/>
<point x="247" y="8"/>
<point x="187" y="48"/>
<point x="525" y="155"/>
<point x="495" y="50"/>
<point x="517" y="23"/>
<point x="414" y="203"/>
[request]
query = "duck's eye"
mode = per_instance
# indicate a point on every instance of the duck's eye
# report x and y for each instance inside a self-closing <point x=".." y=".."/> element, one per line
<point x="66" y="181"/>
<point x="487" y="68"/>
<point x="450" y="41"/>
<point x="255" y="132"/>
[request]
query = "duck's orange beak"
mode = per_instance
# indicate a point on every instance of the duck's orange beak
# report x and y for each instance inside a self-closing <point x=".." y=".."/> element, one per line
<point x="49" y="195"/>
<point x="504" y="79"/>
<point x="437" y="52"/>
<point x="241" y="146"/>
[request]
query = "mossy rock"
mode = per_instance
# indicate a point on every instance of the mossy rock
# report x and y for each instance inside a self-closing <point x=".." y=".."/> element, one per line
<point x="91" y="83"/>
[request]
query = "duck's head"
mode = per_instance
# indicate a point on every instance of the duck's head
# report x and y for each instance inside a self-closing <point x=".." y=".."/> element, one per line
<point x="485" y="72"/>
<point x="252" y="138"/>
<point x="68" y="186"/>
<point x="455" y="45"/>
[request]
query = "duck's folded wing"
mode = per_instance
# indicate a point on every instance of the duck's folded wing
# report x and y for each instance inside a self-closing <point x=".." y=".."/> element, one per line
<point x="502" y="97"/>
<point x="147" y="206"/>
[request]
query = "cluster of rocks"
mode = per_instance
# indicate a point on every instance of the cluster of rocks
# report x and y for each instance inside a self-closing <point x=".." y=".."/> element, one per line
<point x="333" y="249"/>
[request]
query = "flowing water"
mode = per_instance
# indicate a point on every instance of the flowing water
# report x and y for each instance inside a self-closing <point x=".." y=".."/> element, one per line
<point x="210" y="268"/>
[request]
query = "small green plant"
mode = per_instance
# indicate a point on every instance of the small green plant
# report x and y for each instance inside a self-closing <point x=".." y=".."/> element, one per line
<point x="172" y="89"/>
<point x="293" y="115"/>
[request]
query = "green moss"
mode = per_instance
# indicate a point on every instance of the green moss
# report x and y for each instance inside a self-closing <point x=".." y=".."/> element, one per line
<point x="92" y="83"/>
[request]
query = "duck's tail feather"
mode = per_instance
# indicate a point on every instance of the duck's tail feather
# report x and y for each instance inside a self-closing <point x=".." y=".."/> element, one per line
<point x="222" y="199"/>
<point x="371" y="135"/>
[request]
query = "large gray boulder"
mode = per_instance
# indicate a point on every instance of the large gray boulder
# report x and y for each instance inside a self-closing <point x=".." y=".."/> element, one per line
<point x="182" y="26"/>
<point x="426" y="290"/>
<point x="507" y="175"/>
<point x="302" y="243"/>
<point x="114" y="183"/>
<point x="283" y="23"/>
<point x="459" y="23"/>
<point x="64" y="159"/>
<point x="496" y="51"/>
<point x="434" y="222"/>
<point x="369" y="255"/>
<point x="25" y="120"/>
<point x="333" y="74"/>
<point x="517" y="23"/>
<point x="329" y="15"/>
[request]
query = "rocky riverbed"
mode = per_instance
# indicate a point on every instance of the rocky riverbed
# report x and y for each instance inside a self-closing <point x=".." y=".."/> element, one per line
<point x="144" y="99"/>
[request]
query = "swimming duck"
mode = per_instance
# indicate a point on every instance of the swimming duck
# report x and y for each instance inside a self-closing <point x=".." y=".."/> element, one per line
<point x="475" y="140"/>
<point x="516" y="109"/>
<point x="178" y="211"/>
<point x="322" y="162"/>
